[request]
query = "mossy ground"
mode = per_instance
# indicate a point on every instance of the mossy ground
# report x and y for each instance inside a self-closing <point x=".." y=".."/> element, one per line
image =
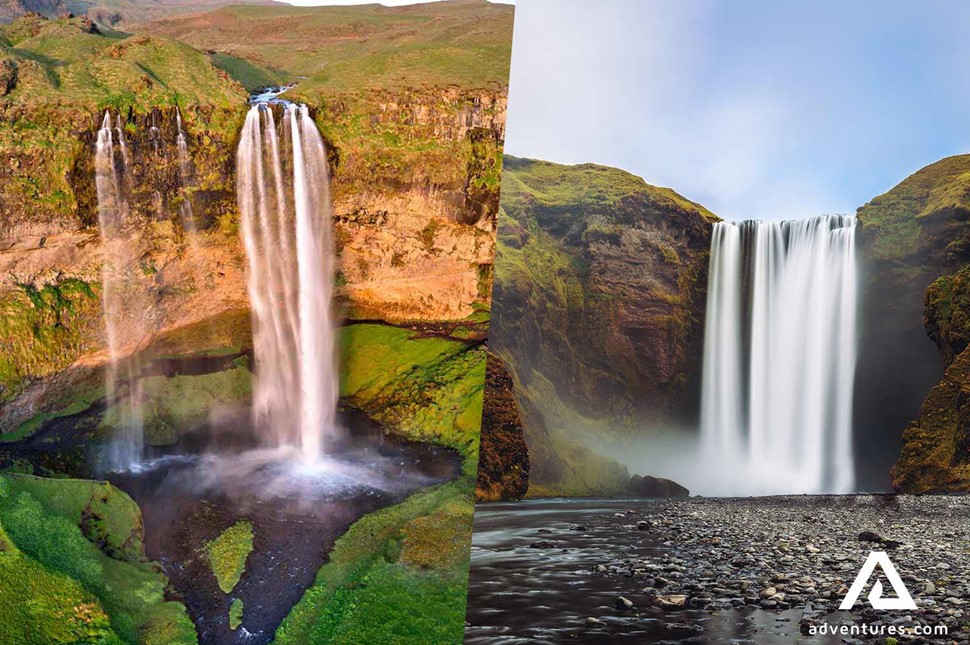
<point x="73" y="548"/>
<point x="236" y="613"/>
<point x="399" y="575"/>
<point x="228" y="553"/>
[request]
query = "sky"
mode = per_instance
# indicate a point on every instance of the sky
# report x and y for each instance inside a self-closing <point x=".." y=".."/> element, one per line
<point x="757" y="109"/>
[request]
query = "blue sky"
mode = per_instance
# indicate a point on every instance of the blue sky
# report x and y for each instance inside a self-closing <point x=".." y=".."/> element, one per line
<point x="755" y="108"/>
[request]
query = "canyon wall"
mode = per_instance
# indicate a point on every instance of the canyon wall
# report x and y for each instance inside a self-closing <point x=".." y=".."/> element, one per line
<point x="598" y="311"/>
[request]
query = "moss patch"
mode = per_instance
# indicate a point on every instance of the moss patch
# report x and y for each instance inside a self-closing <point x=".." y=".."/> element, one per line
<point x="235" y="614"/>
<point x="398" y="575"/>
<point x="228" y="553"/>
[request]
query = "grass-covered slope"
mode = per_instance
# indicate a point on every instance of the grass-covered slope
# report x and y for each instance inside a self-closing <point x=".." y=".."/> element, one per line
<point x="69" y="60"/>
<point x="341" y="49"/>
<point x="599" y="293"/>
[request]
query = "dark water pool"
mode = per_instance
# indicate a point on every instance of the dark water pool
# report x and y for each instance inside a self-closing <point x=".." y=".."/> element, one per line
<point x="189" y="493"/>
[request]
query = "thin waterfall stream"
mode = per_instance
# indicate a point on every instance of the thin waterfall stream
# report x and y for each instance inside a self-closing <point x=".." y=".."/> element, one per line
<point x="123" y="315"/>
<point x="779" y="357"/>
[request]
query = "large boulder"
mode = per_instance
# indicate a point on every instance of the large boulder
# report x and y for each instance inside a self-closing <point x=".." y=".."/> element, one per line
<point x="649" y="486"/>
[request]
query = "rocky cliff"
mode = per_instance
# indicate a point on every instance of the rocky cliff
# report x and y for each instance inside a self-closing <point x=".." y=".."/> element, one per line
<point x="599" y="300"/>
<point x="935" y="456"/>
<point x="909" y="238"/>
<point x="503" y="466"/>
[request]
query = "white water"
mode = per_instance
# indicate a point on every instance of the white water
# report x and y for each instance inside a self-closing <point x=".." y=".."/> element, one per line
<point x="779" y="357"/>
<point x="185" y="173"/>
<point x="122" y="385"/>
<point x="284" y="199"/>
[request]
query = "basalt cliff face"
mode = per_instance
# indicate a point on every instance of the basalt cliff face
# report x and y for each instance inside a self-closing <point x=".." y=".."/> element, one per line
<point x="914" y="243"/>
<point x="414" y="177"/>
<point x="599" y="300"/>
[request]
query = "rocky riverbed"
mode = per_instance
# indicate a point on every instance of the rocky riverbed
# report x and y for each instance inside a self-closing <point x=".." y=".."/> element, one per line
<point x="755" y="570"/>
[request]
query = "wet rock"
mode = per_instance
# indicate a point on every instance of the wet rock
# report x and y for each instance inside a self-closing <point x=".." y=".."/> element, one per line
<point x="623" y="603"/>
<point x="649" y="486"/>
<point x="670" y="602"/>
<point x="542" y="544"/>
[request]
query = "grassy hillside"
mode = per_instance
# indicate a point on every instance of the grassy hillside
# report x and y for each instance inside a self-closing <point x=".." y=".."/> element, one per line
<point x="114" y="13"/>
<point x="69" y="60"/>
<point x="333" y="49"/>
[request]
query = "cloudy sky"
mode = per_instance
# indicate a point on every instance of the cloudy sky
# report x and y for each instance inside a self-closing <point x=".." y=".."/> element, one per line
<point x="755" y="108"/>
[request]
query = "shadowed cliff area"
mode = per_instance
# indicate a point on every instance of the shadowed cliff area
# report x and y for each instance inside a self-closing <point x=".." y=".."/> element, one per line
<point x="909" y="237"/>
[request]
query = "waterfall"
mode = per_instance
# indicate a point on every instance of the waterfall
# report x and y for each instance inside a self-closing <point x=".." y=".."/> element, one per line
<point x="284" y="200"/>
<point x="185" y="173"/>
<point x="779" y="356"/>
<point x="122" y="386"/>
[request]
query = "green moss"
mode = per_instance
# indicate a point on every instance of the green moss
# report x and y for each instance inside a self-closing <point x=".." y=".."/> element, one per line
<point x="228" y="553"/>
<point x="398" y="575"/>
<point x="43" y="329"/>
<point x="235" y="614"/>
<point x="174" y="406"/>
<point x="428" y="389"/>
<point x="87" y="534"/>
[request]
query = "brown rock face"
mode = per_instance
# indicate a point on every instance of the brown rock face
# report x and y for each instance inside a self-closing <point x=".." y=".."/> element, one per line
<point x="601" y="289"/>
<point x="503" y="472"/>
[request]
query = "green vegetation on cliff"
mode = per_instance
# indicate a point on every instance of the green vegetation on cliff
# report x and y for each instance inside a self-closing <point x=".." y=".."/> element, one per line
<point x="42" y="330"/>
<point x="920" y="213"/>
<point x="68" y="60"/>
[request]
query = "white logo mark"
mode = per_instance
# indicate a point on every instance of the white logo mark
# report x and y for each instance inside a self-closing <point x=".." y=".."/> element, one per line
<point x="902" y="600"/>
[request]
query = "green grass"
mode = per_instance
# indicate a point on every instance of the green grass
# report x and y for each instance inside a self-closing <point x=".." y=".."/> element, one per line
<point x="346" y="49"/>
<point x="251" y="76"/>
<point x="59" y="61"/>
<point x="89" y="534"/>
<point x="228" y="553"/>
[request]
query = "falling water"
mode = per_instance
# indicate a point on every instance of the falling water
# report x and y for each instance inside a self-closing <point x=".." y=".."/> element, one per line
<point x="779" y="357"/>
<point x="284" y="198"/>
<point x="185" y="173"/>
<point x="122" y="387"/>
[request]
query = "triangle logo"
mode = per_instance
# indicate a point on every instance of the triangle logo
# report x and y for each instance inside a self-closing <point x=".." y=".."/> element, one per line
<point x="879" y="558"/>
